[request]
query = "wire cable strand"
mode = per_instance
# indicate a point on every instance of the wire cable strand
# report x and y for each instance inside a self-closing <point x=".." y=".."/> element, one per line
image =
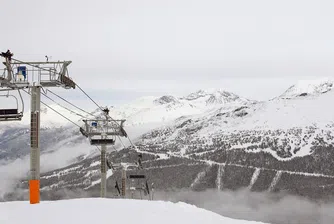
<point x="83" y="93"/>
<point x="119" y="138"/>
<point x="55" y="111"/>
<point x="70" y="103"/>
<point x="62" y="116"/>
<point x="36" y="66"/>
<point x="63" y="106"/>
<point x="98" y="148"/>
<point x="89" y="97"/>
<point x="109" y="117"/>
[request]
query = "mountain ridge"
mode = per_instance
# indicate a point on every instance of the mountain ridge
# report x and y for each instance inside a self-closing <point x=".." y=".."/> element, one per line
<point x="260" y="144"/>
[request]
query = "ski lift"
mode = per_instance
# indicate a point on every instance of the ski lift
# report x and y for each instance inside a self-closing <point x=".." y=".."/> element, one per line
<point x="12" y="114"/>
<point x="136" y="176"/>
<point x="102" y="131"/>
<point x="141" y="185"/>
<point x="101" y="141"/>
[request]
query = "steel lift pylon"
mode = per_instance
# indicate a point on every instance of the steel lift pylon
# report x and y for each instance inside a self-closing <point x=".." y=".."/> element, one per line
<point x="103" y="131"/>
<point x="33" y="76"/>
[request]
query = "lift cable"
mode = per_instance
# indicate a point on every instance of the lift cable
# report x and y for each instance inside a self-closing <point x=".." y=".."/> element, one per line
<point x="62" y="115"/>
<point x="54" y="72"/>
<point x="119" y="138"/>
<point x="62" y="106"/>
<point x="108" y="116"/>
<point x="36" y="66"/>
<point x="22" y="101"/>
<point x="89" y="97"/>
<point x="55" y="111"/>
<point x="98" y="148"/>
<point x="70" y="103"/>
<point x="81" y="91"/>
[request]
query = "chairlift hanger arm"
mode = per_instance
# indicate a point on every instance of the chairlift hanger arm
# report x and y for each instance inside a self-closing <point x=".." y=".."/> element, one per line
<point x="12" y="114"/>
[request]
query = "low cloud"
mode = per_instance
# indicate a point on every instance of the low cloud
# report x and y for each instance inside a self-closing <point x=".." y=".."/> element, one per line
<point x="60" y="156"/>
<point x="265" y="207"/>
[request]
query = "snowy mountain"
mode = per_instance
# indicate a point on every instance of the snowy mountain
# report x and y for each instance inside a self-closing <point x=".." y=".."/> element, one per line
<point x="167" y="108"/>
<point x="308" y="87"/>
<point x="214" y="97"/>
<point x="142" y="111"/>
<point x="215" y="139"/>
<point x="89" y="210"/>
<point x="290" y="119"/>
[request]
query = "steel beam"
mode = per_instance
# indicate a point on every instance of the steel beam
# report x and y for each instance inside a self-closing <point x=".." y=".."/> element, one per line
<point x="123" y="182"/>
<point x="40" y="62"/>
<point x="34" y="183"/>
<point x="103" y="171"/>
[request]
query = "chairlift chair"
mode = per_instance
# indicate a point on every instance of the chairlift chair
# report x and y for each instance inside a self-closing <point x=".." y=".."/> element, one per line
<point x="100" y="141"/>
<point x="141" y="185"/>
<point x="12" y="114"/>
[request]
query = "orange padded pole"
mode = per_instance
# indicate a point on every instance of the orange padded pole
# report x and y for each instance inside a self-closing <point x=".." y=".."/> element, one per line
<point x="34" y="191"/>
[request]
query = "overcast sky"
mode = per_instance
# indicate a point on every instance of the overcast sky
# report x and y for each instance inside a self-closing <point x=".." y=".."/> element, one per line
<point x="123" y="49"/>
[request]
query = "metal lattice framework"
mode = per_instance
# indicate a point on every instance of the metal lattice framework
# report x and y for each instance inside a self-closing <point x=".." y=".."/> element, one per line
<point x="103" y="131"/>
<point x="32" y="75"/>
<point x="19" y="74"/>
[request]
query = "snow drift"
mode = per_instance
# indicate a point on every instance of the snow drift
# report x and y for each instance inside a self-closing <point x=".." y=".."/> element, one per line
<point x="87" y="211"/>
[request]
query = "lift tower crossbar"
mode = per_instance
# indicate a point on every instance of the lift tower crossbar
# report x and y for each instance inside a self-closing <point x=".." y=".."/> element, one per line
<point x="34" y="75"/>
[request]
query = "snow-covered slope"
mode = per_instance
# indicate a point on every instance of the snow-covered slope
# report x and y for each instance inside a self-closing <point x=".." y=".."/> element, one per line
<point x="276" y="114"/>
<point x="143" y="111"/>
<point x="276" y="137"/>
<point x="88" y="211"/>
<point x="286" y="128"/>
<point x="308" y="87"/>
<point x="167" y="108"/>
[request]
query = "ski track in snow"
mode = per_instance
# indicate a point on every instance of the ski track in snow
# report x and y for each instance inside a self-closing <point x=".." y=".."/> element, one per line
<point x="93" y="183"/>
<point x="209" y="162"/>
<point x="200" y="175"/>
<point x="219" y="176"/>
<point x="254" y="177"/>
<point x="58" y="174"/>
<point x="275" y="180"/>
<point x="169" y="166"/>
